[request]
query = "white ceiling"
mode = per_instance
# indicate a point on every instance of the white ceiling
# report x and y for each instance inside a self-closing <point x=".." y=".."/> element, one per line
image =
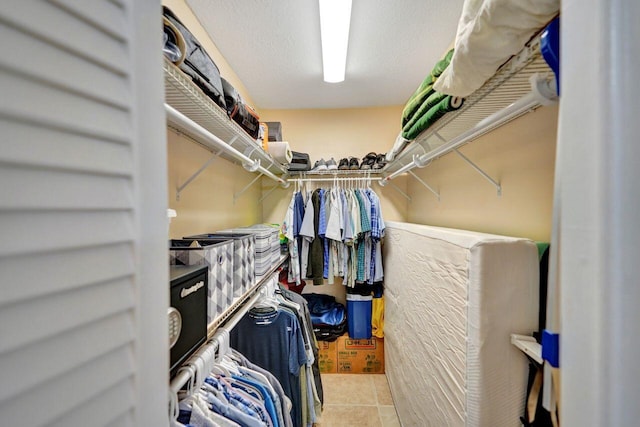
<point x="274" y="48"/>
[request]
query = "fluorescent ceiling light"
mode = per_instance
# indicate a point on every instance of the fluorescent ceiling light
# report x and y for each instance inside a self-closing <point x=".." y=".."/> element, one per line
<point x="335" y="17"/>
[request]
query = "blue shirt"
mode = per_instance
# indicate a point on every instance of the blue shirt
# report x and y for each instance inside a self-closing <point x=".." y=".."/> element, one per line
<point x="266" y="397"/>
<point x="231" y="412"/>
<point x="277" y="346"/>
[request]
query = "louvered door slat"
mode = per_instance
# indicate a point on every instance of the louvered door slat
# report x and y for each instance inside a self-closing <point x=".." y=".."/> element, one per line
<point x="26" y="370"/>
<point x="62" y="150"/>
<point x="99" y="265"/>
<point x="55" y="398"/>
<point x="100" y="412"/>
<point x="76" y="113"/>
<point x="45" y="189"/>
<point x="106" y="16"/>
<point x="47" y="21"/>
<point x="47" y="62"/>
<point x="124" y="421"/>
<point x="39" y="232"/>
<point x="58" y="313"/>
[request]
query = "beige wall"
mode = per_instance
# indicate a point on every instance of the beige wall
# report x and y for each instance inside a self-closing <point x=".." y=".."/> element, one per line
<point x="521" y="156"/>
<point x="207" y="204"/>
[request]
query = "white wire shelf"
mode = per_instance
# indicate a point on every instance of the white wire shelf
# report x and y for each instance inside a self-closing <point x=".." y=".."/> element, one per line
<point x="184" y="96"/>
<point x="336" y="172"/>
<point x="508" y="85"/>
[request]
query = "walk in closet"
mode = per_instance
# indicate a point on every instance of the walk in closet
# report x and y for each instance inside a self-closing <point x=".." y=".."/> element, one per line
<point x="461" y="249"/>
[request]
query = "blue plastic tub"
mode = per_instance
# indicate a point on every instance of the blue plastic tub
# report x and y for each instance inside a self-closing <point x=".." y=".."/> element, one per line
<point x="359" y="316"/>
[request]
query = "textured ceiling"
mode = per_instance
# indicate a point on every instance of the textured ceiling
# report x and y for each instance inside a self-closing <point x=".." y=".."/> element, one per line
<point x="274" y="48"/>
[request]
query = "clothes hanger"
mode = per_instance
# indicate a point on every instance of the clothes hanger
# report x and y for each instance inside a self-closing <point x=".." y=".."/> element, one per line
<point x="225" y="345"/>
<point x="174" y="410"/>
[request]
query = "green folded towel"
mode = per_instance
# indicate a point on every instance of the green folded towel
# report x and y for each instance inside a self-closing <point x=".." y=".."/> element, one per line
<point x="442" y="64"/>
<point x="425" y="89"/>
<point x="433" y="99"/>
<point x="449" y="103"/>
<point x="423" y="92"/>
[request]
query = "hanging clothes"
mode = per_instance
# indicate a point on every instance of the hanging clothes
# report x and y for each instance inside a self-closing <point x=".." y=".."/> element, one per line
<point x="337" y="233"/>
<point x="278" y="337"/>
<point x="235" y="394"/>
<point x="273" y="341"/>
<point x="307" y="234"/>
<point x="315" y="263"/>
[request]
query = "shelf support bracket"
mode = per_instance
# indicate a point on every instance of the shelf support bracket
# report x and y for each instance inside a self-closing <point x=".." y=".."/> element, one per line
<point x="383" y="183"/>
<point x="427" y="186"/>
<point x="480" y="171"/>
<point x="268" y="193"/>
<point x="198" y="172"/>
<point x="241" y="192"/>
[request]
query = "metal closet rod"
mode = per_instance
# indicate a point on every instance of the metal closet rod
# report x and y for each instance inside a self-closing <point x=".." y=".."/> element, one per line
<point x="178" y="119"/>
<point x="542" y="93"/>
<point x="342" y="178"/>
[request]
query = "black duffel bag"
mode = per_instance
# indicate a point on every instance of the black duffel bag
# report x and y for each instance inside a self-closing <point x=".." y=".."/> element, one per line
<point x="197" y="63"/>
<point x="240" y="112"/>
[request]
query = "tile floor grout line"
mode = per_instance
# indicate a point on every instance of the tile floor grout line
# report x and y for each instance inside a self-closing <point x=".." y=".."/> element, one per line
<point x="375" y="390"/>
<point x="350" y="404"/>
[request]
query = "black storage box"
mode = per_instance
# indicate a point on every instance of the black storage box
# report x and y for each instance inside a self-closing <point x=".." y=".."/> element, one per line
<point x="300" y="162"/>
<point x="188" y="290"/>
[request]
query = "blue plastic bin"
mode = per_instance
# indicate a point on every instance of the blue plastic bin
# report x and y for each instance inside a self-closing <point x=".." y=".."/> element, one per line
<point x="359" y="316"/>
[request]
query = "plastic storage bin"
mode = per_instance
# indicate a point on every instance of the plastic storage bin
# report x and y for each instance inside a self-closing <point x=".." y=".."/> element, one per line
<point x="359" y="316"/>
<point x="267" y="245"/>
<point x="244" y="266"/>
<point x="218" y="257"/>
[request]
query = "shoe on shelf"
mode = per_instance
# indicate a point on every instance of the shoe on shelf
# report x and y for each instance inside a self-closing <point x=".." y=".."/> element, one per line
<point x="381" y="161"/>
<point x="320" y="165"/>
<point x="368" y="161"/>
<point x="353" y="163"/>
<point x="331" y="164"/>
<point x="344" y="164"/>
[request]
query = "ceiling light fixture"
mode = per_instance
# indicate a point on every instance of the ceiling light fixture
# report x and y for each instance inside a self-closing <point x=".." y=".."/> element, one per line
<point x="335" y="17"/>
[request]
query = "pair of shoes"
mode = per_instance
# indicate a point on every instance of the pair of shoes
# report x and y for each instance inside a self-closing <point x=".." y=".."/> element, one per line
<point x="353" y="163"/>
<point x="320" y="165"/>
<point x="331" y="164"/>
<point x="381" y="161"/>
<point x="368" y="161"/>
<point x="344" y="164"/>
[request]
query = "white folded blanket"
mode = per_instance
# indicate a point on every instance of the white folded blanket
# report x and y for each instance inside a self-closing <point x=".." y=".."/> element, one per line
<point x="489" y="33"/>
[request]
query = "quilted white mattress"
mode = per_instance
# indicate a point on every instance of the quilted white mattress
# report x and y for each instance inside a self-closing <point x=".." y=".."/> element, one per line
<point x="452" y="299"/>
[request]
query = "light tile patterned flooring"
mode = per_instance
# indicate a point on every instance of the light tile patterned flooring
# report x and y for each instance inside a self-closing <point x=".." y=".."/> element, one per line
<point x="357" y="400"/>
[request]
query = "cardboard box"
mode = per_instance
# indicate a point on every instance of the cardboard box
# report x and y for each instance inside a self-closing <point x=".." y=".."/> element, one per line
<point x="328" y="357"/>
<point x="349" y="356"/>
<point x="360" y="356"/>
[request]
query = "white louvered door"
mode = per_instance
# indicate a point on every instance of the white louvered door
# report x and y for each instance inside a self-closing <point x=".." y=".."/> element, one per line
<point x="83" y="265"/>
